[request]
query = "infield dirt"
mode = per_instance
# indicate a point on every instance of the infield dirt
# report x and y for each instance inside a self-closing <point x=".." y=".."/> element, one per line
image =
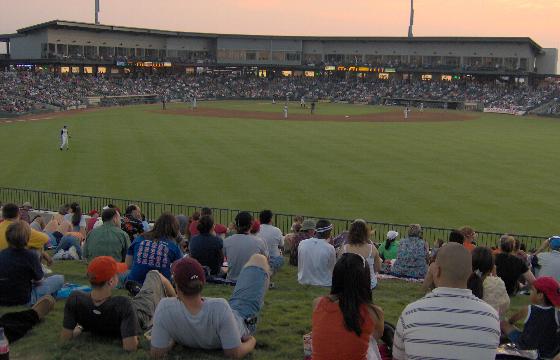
<point x="392" y="116"/>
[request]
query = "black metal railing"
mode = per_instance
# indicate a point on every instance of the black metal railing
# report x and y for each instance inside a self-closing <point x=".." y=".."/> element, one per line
<point x="46" y="200"/>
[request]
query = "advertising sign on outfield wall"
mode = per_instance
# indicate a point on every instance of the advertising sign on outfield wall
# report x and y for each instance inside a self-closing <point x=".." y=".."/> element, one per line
<point x="504" y="111"/>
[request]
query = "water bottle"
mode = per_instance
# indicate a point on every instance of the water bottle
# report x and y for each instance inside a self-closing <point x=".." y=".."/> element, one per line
<point x="4" y="346"/>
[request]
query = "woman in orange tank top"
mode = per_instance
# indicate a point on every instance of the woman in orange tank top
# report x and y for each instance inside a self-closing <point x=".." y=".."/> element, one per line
<point x="344" y="322"/>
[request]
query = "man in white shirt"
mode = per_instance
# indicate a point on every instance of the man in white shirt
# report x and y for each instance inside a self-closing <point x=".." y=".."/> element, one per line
<point x="273" y="238"/>
<point x="450" y="322"/>
<point x="548" y="263"/>
<point x="64" y="138"/>
<point x="210" y="323"/>
<point x="316" y="257"/>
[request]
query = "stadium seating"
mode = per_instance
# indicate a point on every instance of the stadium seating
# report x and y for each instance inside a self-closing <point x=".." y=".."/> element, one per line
<point x="22" y="91"/>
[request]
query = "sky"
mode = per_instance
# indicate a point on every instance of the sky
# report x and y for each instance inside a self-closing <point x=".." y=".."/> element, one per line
<point x="537" y="19"/>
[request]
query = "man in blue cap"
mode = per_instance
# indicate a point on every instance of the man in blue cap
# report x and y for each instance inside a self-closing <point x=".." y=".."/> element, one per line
<point x="548" y="263"/>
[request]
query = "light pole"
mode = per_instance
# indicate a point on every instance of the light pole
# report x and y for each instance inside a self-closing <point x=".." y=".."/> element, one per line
<point x="410" y="33"/>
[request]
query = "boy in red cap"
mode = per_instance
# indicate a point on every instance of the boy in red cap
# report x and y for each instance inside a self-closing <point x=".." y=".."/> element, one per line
<point x="211" y="323"/>
<point x="115" y="316"/>
<point x="542" y="320"/>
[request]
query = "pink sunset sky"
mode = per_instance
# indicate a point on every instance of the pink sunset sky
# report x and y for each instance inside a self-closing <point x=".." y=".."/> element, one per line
<point x="537" y="19"/>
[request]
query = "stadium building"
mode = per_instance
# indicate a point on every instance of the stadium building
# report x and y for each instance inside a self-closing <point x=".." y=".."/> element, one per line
<point x="83" y="48"/>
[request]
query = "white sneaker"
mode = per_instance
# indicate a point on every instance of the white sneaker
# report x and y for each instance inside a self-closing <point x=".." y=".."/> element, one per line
<point x="74" y="253"/>
<point x="46" y="270"/>
<point x="58" y="255"/>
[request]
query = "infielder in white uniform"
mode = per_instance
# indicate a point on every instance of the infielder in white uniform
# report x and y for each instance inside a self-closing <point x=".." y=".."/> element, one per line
<point x="406" y="112"/>
<point x="194" y="105"/>
<point x="64" y="138"/>
<point x="285" y="111"/>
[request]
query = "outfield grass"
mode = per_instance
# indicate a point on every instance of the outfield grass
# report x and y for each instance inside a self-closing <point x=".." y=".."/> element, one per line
<point x="496" y="173"/>
<point x="286" y="317"/>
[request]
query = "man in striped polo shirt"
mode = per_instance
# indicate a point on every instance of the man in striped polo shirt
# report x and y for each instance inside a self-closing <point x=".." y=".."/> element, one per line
<point x="450" y="322"/>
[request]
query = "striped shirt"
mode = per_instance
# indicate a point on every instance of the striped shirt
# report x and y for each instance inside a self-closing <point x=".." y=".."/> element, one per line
<point x="448" y="323"/>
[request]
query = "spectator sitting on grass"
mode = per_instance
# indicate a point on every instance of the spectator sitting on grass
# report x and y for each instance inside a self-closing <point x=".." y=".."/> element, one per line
<point x="510" y="268"/>
<point x="240" y="247"/>
<point x="345" y="321"/>
<point x="273" y="238"/>
<point x="154" y="250"/>
<point x="193" y="226"/>
<point x="206" y="248"/>
<point x="192" y="219"/>
<point x="211" y="323"/>
<point x="455" y="236"/>
<point x="93" y="216"/>
<point x="24" y="212"/>
<point x="57" y="219"/>
<point x="307" y="231"/>
<point x="548" y="263"/>
<point x="541" y="324"/>
<point x="10" y="214"/>
<point x="77" y="219"/>
<point x="22" y="279"/>
<point x="108" y="239"/>
<point x="132" y="222"/>
<point x="113" y="316"/>
<point x="38" y="223"/>
<point x="316" y="257"/>
<point x="412" y="256"/>
<point x="485" y="284"/>
<point x="359" y="243"/>
<point x="289" y="238"/>
<point x="450" y="322"/>
<point x="470" y="237"/>
<point x="388" y="248"/>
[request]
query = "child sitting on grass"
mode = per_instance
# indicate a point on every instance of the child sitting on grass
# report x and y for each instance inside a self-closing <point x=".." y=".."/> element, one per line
<point x="541" y="320"/>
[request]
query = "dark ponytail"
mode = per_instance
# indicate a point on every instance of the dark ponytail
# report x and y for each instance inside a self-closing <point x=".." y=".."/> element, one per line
<point x="475" y="285"/>
<point x="482" y="264"/>
<point x="76" y="214"/>
<point x="388" y="243"/>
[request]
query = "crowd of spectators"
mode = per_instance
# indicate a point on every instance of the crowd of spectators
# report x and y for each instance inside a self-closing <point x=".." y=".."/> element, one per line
<point x="165" y="265"/>
<point x="22" y="92"/>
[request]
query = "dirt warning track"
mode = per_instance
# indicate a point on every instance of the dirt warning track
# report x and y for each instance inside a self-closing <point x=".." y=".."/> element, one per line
<point x="391" y="116"/>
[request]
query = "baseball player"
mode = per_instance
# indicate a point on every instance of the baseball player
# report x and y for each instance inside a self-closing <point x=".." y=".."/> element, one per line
<point x="422" y="107"/>
<point x="302" y="102"/>
<point x="406" y="111"/>
<point x="194" y="103"/>
<point x="285" y="111"/>
<point x="64" y="138"/>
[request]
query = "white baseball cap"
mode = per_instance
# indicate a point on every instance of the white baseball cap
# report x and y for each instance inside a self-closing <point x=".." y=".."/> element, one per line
<point x="391" y="235"/>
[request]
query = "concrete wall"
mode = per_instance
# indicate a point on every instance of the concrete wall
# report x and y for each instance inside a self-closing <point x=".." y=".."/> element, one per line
<point x="547" y="63"/>
<point x="27" y="47"/>
<point x="191" y="43"/>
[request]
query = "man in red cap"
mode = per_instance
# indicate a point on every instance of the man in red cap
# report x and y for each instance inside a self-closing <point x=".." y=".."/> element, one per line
<point x="211" y="323"/>
<point x="115" y="316"/>
<point x="541" y="318"/>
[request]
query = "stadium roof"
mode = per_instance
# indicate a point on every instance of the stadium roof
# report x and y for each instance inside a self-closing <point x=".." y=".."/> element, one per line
<point x="93" y="27"/>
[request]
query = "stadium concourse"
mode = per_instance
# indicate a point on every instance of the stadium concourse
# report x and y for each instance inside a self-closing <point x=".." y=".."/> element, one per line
<point x="165" y="266"/>
<point x="25" y="91"/>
